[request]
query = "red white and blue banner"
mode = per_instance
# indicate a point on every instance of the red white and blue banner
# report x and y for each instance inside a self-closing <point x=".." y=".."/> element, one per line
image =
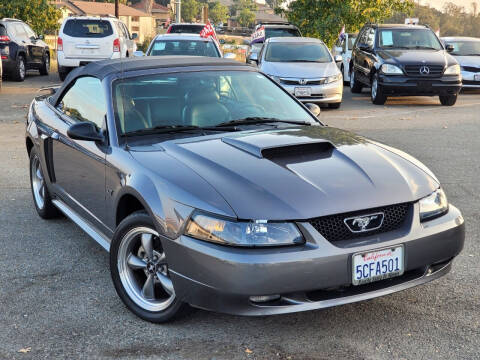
<point x="208" y="31"/>
<point x="258" y="35"/>
<point x="341" y="36"/>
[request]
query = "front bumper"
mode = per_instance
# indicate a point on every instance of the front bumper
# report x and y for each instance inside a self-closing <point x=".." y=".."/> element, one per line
<point x="320" y="94"/>
<point x="470" y="79"/>
<point x="313" y="276"/>
<point x="399" y="85"/>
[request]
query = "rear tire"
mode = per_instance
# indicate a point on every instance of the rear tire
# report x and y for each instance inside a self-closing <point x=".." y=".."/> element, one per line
<point x="448" y="100"/>
<point x="20" y="69"/>
<point x="376" y="92"/>
<point x="139" y="269"/>
<point x="63" y="72"/>
<point x="45" y="68"/>
<point x="41" y="196"/>
<point x="355" y="86"/>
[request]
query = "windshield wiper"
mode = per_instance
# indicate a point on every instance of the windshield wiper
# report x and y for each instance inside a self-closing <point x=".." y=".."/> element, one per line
<point x="423" y="47"/>
<point x="260" y="120"/>
<point x="389" y="47"/>
<point x="161" y="129"/>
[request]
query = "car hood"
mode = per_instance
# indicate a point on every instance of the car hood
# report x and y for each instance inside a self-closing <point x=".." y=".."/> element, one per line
<point x="473" y="61"/>
<point x="298" y="173"/>
<point x="415" y="57"/>
<point x="299" y="69"/>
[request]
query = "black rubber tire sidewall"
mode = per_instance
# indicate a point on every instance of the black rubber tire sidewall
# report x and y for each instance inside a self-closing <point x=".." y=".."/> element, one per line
<point x="49" y="211"/>
<point x="17" y="76"/>
<point x="139" y="218"/>
<point x="357" y="87"/>
<point x="44" y="69"/>
<point x="62" y="72"/>
<point x="380" y="99"/>
<point x="448" y="100"/>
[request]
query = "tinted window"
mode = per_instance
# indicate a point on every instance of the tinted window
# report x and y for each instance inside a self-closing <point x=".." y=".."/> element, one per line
<point x="351" y="41"/>
<point x="408" y="39"/>
<point x="200" y="98"/>
<point x="30" y="33"/>
<point x="19" y="30"/>
<point x="465" y="48"/>
<point x="370" y="37"/>
<point x="279" y="32"/>
<point x="3" y="31"/>
<point x="85" y="101"/>
<point x="184" y="47"/>
<point x="186" y="29"/>
<point x="88" y="28"/>
<point x="297" y="52"/>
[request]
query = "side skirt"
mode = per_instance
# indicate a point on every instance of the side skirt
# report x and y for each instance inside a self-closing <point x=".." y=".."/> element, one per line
<point x="91" y="230"/>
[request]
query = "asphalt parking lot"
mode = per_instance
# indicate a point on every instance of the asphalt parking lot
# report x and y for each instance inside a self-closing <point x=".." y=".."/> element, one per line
<point x="57" y="299"/>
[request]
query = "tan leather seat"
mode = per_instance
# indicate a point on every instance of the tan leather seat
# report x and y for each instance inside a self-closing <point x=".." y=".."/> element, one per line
<point x="203" y="108"/>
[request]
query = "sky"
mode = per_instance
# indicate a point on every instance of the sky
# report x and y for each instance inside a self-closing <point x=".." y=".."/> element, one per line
<point x="439" y="3"/>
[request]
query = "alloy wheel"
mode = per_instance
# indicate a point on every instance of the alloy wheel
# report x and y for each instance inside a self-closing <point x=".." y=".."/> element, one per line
<point x="38" y="183"/>
<point x="374" y="88"/>
<point x="21" y="68"/>
<point x="352" y="79"/>
<point x="143" y="270"/>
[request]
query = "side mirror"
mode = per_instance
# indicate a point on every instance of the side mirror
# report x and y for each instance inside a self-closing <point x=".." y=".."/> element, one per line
<point x="134" y="36"/>
<point x="449" y="48"/>
<point x="86" y="131"/>
<point x="364" y="47"/>
<point x="230" y="56"/>
<point x="138" y="53"/>
<point x="314" y="109"/>
<point x="338" y="58"/>
<point x="338" y="49"/>
<point x="253" y="59"/>
<point x="41" y="37"/>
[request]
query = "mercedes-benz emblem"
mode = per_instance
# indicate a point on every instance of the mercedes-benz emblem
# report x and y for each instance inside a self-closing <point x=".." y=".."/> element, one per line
<point x="424" y="70"/>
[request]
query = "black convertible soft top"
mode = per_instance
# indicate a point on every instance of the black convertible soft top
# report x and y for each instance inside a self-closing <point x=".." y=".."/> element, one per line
<point x="101" y="69"/>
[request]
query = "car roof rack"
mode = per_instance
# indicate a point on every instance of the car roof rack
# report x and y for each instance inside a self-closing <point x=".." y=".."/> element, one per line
<point x="274" y="23"/>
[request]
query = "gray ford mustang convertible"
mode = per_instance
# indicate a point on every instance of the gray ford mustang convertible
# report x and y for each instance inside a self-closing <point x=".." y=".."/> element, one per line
<point x="211" y="186"/>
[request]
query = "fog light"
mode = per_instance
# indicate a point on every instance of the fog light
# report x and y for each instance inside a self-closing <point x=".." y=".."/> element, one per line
<point x="264" y="298"/>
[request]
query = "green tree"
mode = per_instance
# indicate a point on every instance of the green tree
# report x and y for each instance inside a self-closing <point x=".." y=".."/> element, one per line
<point x="246" y="17"/>
<point x="41" y="15"/>
<point x="324" y="18"/>
<point x="217" y="12"/>
<point x="190" y="9"/>
<point x="244" y="10"/>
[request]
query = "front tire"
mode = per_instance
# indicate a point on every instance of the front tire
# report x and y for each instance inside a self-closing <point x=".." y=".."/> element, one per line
<point x="45" y="68"/>
<point x="139" y="269"/>
<point x="448" y="100"/>
<point x="334" y="105"/>
<point x="41" y="196"/>
<point x="376" y="92"/>
<point x="355" y="86"/>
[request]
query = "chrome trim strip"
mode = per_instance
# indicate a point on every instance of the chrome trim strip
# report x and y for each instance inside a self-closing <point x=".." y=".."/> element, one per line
<point x="94" y="233"/>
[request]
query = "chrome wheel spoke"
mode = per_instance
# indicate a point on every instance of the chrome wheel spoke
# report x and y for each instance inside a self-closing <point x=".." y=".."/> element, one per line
<point x="135" y="263"/>
<point x="148" y="290"/>
<point x="162" y="259"/>
<point x="42" y="190"/>
<point x="39" y="173"/>
<point x="166" y="283"/>
<point x="147" y="244"/>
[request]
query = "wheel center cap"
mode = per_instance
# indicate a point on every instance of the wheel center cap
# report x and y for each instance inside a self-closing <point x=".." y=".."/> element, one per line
<point x="151" y="268"/>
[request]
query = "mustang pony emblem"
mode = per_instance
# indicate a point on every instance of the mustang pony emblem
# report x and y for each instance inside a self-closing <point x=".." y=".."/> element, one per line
<point x="365" y="222"/>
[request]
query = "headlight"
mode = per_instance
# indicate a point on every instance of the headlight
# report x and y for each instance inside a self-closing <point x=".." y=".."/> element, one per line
<point x="390" y="69"/>
<point x="434" y="205"/>
<point x="243" y="233"/>
<point x="453" y="70"/>
<point x="333" y="78"/>
<point x="275" y="78"/>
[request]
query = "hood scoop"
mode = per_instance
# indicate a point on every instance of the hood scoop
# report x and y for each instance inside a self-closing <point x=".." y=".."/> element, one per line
<point x="282" y="146"/>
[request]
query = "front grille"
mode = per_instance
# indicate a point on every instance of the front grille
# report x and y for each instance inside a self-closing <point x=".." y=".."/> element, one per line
<point x="414" y="70"/>
<point x="471" y="69"/>
<point x="334" y="229"/>
<point x="308" y="82"/>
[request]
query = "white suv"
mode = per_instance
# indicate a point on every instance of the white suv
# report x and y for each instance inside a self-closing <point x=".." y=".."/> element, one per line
<point x="83" y="39"/>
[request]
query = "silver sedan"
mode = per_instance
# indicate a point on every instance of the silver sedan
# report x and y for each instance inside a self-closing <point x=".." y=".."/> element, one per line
<point x="305" y="68"/>
<point x="466" y="51"/>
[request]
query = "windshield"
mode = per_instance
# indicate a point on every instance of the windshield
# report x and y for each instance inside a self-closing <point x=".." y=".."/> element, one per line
<point x="409" y="39"/>
<point x="465" y="48"/>
<point x="297" y="52"/>
<point x="184" y="47"/>
<point x="201" y="99"/>
<point x="281" y="32"/>
<point x="88" y="28"/>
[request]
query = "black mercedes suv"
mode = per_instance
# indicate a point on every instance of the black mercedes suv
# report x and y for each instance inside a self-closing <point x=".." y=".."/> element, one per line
<point x="403" y="60"/>
<point x="21" y="49"/>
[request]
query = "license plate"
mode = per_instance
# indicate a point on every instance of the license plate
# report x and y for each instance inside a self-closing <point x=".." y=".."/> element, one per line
<point x="88" y="51"/>
<point x="377" y="265"/>
<point x="476" y="77"/>
<point x="303" y="91"/>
